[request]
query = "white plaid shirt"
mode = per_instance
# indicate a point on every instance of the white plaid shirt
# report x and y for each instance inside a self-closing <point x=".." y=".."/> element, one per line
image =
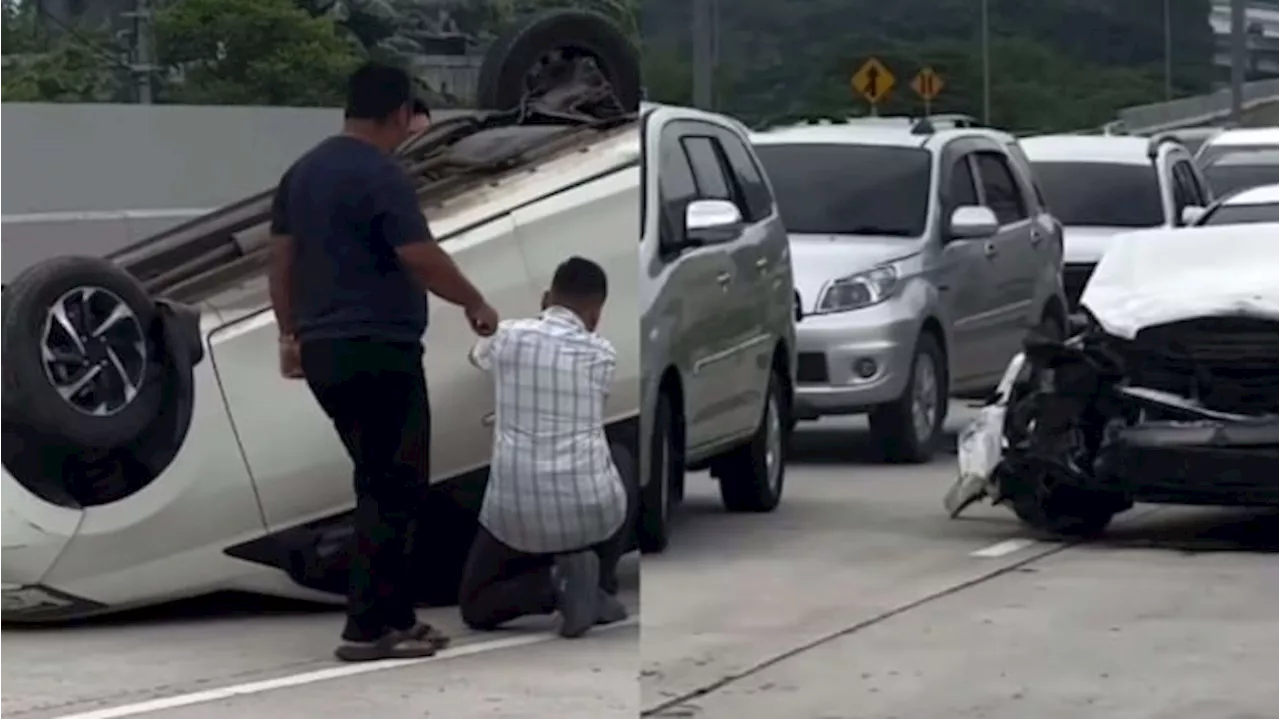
<point x="553" y="486"/>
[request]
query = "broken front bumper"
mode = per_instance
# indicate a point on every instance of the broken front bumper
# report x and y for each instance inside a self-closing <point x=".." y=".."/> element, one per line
<point x="1070" y="415"/>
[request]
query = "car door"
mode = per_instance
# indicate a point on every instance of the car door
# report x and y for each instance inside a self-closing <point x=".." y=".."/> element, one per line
<point x="1011" y="252"/>
<point x="298" y="464"/>
<point x="684" y="309"/>
<point x="963" y="277"/>
<point x="739" y="379"/>
<point x="763" y="260"/>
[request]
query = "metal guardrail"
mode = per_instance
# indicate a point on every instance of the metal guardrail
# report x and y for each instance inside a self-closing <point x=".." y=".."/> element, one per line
<point x="1193" y="111"/>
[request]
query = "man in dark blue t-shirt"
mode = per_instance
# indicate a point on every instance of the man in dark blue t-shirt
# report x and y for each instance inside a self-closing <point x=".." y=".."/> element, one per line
<point x="351" y="258"/>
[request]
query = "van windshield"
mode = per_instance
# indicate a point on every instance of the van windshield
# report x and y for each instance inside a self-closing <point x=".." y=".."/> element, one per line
<point x="840" y="189"/>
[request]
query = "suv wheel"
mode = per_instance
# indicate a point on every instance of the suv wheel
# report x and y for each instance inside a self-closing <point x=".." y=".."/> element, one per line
<point x="910" y="428"/>
<point x="666" y="462"/>
<point x="751" y="476"/>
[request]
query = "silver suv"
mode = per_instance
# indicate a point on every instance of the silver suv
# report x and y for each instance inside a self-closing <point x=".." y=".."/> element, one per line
<point x="922" y="257"/>
<point x="718" y="318"/>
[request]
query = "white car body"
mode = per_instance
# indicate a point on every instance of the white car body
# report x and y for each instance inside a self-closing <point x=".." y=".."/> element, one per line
<point x="1254" y="205"/>
<point x="261" y="460"/>
<point x="1238" y="159"/>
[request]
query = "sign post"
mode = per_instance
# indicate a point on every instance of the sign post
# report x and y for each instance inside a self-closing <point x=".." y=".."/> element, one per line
<point x="928" y="85"/>
<point x="873" y="81"/>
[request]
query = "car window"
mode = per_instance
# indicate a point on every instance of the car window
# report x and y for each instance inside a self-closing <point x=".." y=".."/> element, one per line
<point x="1187" y="190"/>
<point x="1020" y="160"/>
<point x="756" y="201"/>
<point x="708" y="173"/>
<point x="846" y="189"/>
<point x="1242" y="214"/>
<point x="676" y="186"/>
<point x="1003" y="195"/>
<point x="962" y="190"/>
<point x="1097" y="194"/>
<point x="1237" y="168"/>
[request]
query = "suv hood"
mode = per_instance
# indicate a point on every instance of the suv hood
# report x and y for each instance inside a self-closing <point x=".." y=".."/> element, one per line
<point x="818" y="259"/>
<point x="1085" y="245"/>
<point x="1154" y="277"/>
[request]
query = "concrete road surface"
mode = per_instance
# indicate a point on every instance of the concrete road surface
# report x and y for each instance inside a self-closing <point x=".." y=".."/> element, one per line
<point x="859" y="599"/>
<point x="254" y="658"/>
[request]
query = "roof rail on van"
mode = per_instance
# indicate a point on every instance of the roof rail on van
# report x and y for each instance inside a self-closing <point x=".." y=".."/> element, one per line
<point x="1154" y="144"/>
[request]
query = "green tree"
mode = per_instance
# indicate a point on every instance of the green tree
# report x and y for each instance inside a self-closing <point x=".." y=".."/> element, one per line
<point x="251" y="52"/>
<point x="79" y="67"/>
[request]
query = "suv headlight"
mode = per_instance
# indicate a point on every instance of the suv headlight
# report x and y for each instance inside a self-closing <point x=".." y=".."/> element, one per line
<point x="861" y="290"/>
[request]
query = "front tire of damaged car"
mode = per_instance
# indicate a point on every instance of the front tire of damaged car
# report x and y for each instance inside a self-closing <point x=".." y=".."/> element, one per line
<point x="909" y="429"/>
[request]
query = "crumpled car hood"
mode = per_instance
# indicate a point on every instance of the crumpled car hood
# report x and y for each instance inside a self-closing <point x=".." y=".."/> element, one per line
<point x="1154" y="277"/>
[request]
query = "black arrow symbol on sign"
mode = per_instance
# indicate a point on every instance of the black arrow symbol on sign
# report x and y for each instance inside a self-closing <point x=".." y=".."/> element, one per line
<point x="873" y="81"/>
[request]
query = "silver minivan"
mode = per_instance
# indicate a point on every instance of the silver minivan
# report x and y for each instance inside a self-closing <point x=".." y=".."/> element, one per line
<point x="922" y="258"/>
<point x="717" y="326"/>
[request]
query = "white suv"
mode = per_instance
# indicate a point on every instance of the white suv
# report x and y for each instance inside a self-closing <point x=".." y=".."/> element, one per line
<point x="1098" y="186"/>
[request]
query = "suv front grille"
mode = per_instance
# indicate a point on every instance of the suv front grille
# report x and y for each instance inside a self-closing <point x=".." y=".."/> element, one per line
<point x="1228" y="363"/>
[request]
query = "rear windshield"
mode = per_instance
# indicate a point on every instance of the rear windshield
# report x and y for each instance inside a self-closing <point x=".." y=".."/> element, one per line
<point x="1238" y="168"/>
<point x="1101" y="195"/>
<point x="849" y="189"/>
<point x="1243" y="214"/>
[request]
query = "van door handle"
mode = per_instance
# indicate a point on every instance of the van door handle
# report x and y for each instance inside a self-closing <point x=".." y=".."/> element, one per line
<point x="723" y="278"/>
<point x="762" y="263"/>
<point x="489" y="419"/>
<point x="990" y="250"/>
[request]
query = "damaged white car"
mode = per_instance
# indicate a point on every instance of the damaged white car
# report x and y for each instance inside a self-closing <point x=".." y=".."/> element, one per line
<point x="1165" y="393"/>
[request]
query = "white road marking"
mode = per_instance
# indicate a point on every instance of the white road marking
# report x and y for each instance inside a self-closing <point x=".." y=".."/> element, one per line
<point x="999" y="549"/>
<point x="319" y="675"/>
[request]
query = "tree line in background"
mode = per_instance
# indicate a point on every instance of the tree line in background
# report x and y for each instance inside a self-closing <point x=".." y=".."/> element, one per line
<point x="252" y="52"/>
<point x="1056" y="64"/>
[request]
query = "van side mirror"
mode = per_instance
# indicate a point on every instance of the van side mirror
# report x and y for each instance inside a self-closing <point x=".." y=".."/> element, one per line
<point x="972" y="222"/>
<point x="1191" y="214"/>
<point x="709" y="222"/>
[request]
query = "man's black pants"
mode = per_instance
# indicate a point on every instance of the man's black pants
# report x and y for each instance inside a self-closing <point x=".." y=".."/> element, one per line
<point x="376" y="394"/>
<point x="501" y="583"/>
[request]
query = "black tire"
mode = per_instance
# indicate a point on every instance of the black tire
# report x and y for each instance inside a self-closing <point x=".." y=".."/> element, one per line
<point x="666" y="464"/>
<point x="748" y="482"/>
<point x="506" y="66"/>
<point x="1066" y="511"/>
<point x="893" y="426"/>
<point x="30" y="397"/>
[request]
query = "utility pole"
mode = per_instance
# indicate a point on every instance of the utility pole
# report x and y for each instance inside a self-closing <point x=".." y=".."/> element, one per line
<point x="143" y="65"/>
<point x="1168" y="50"/>
<point x="1238" y="52"/>
<point x="986" y="63"/>
<point x="704" y="31"/>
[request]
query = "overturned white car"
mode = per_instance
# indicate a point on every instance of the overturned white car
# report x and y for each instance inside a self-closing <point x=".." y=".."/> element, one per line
<point x="1166" y="392"/>
<point x="151" y="449"/>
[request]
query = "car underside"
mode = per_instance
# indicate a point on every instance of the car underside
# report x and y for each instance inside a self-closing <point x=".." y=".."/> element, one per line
<point x="1183" y="413"/>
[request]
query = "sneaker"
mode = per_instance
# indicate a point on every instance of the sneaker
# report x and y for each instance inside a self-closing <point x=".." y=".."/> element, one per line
<point x="577" y="581"/>
<point x="392" y="645"/>
<point x="610" y="610"/>
<point x="427" y="633"/>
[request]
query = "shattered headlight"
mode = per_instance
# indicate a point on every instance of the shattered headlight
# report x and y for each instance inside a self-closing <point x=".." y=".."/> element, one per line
<point x="857" y="291"/>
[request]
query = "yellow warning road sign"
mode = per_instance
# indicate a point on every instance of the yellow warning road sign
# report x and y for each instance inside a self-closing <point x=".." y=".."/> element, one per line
<point x="873" y="81"/>
<point x="927" y="84"/>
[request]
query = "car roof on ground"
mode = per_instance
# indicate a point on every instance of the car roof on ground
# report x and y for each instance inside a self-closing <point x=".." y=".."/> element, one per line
<point x="1105" y="149"/>
<point x="1246" y="136"/>
<point x="1261" y="195"/>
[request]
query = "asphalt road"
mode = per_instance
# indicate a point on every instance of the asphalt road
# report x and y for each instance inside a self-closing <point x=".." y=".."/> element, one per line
<point x="249" y="657"/>
<point x="859" y="599"/>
